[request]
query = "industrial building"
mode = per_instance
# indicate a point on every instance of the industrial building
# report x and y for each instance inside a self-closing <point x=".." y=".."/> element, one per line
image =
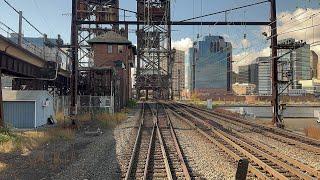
<point x="243" y="89"/>
<point x="213" y="67"/>
<point x="178" y="74"/>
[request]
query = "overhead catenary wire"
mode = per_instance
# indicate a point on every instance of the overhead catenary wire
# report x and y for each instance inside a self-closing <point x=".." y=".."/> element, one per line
<point x="42" y="34"/>
<point x="219" y="12"/>
<point x="274" y="21"/>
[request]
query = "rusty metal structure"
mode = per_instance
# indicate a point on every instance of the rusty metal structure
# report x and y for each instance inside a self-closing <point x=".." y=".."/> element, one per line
<point x="93" y="10"/>
<point x="154" y="60"/>
<point x="82" y="72"/>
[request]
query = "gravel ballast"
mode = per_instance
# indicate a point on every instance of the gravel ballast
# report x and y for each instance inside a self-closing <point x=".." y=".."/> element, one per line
<point x="204" y="158"/>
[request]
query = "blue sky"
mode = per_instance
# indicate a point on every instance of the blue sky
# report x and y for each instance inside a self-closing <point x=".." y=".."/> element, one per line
<point x="49" y="16"/>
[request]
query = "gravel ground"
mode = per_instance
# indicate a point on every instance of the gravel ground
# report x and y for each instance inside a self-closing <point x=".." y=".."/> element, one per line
<point x="299" y="154"/>
<point x="205" y="159"/>
<point x="104" y="157"/>
<point x="96" y="161"/>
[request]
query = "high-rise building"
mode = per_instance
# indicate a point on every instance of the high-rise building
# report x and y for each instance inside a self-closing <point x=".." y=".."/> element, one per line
<point x="213" y="70"/>
<point x="188" y="69"/>
<point x="264" y="75"/>
<point x="294" y="66"/>
<point x="243" y="74"/>
<point x="254" y="74"/>
<point x="249" y="74"/>
<point x="178" y="73"/>
<point x="314" y="64"/>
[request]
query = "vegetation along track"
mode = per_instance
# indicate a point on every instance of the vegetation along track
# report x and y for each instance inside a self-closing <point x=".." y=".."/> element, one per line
<point x="265" y="163"/>
<point x="284" y="136"/>
<point x="156" y="153"/>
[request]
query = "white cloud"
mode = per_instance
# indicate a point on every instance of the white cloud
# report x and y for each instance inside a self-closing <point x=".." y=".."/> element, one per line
<point x="288" y="21"/>
<point x="246" y="58"/>
<point x="300" y="18"/>
<point x="183" y="44"/>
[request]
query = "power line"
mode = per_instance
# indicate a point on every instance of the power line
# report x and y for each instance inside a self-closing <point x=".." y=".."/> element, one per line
<point x="224" y="11"/>
<point x="23" y="17"/>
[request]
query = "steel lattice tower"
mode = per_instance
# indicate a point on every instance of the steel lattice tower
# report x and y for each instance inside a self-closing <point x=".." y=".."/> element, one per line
<point x="154" y="60"/>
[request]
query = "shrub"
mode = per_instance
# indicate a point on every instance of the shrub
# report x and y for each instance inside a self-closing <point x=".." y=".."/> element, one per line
<point x="110" y="120"/>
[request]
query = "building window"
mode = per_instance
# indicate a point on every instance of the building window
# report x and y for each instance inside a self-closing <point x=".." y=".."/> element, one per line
<point x="120" y="49"/>
<point x="109" y="49"/>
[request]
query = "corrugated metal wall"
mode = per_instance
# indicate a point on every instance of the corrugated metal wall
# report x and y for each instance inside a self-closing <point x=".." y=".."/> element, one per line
<point x="19" y="114"/>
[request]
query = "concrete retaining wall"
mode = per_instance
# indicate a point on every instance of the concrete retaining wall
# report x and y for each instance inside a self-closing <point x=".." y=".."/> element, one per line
<point x="266" y="111"/>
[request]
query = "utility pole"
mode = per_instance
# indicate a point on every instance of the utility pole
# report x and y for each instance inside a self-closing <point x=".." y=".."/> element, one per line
<point x="74" y="56"/>
<point x="20" y="29"/>
<point x="274" y="65"/>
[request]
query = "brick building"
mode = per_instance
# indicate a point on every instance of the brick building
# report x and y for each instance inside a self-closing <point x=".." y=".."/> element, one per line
<point x="113" y="50"/>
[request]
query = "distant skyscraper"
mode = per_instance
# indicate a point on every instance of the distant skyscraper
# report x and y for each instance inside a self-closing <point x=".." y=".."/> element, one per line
<point x="213" y="64"/>
<point x="243" y="74"/>
<point x="314" y="64"/>
<point x="296" y="64"/>
<point x="254" y="74"/>
<point x="264" y="75"/>
<point x="188" y="69"/>
<point x="178" y="73"/>
<point x="249" y="74"/>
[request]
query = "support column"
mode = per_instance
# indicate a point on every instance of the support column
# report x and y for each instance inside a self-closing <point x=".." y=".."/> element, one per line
<point x="274" y="64"/>
<point x="74" y="55"/>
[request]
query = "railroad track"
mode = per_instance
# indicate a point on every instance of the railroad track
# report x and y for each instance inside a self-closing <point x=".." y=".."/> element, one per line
<point x="265" y="163"/>
<point x="156" y="153"/>
<point x="284" y="136"/>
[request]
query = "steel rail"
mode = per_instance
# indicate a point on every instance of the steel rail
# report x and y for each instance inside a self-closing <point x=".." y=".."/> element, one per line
<point x="152" y="139"/>
<point x="275" y="130"/>
<point x="164" y="154"/>
<point x="291" y="138"/>
<point x="248" y="154"/>
<point x="265" y="148"/>
<point x="177" y="146"/>
<point x="253" y="168"/>
<point x="296" y="168"/>
<point x="135" y="147"/>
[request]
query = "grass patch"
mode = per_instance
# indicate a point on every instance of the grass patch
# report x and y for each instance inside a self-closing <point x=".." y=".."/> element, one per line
<point x="312" y="131"/>
<point x="24" y="141"/>
<point x="111" y="120"/>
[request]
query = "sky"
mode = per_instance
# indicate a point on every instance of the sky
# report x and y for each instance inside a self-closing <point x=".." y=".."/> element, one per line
<point x="53" y="17"/>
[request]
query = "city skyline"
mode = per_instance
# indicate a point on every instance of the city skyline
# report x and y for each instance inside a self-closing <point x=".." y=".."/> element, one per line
<point x="291" y="14"/>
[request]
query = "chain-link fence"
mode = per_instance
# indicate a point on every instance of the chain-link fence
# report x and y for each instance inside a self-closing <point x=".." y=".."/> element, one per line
<point x="86" y="104"/>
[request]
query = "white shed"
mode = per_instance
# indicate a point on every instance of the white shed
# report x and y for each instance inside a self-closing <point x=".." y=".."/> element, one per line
<point x="27" y="109"/>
